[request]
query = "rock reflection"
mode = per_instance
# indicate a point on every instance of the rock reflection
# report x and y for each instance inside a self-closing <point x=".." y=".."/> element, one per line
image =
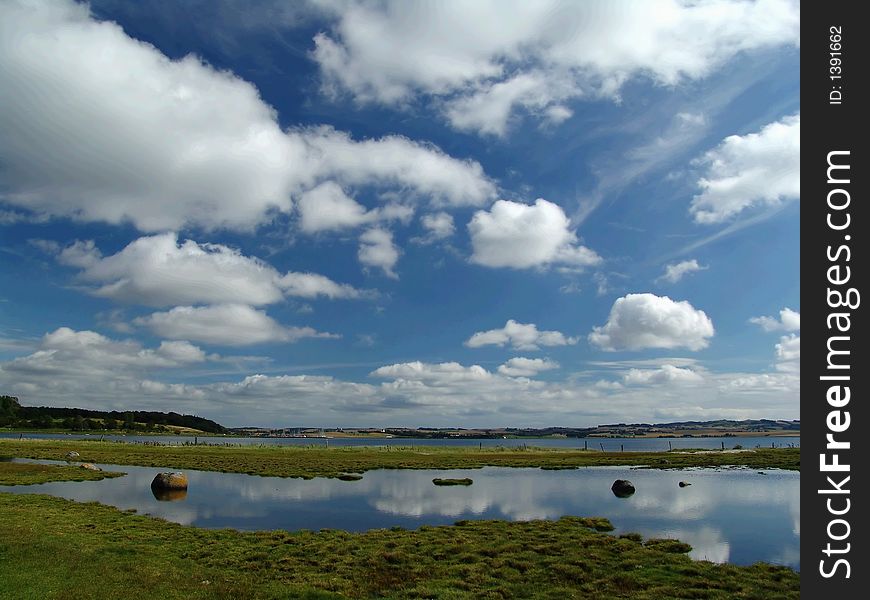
<point x="164" y="495"/>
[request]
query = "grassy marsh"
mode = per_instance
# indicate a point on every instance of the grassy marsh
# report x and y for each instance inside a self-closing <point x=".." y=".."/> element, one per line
<point x="318" y="461"/>
<point x="54" y="548"/>
<point x="29" y="473"/>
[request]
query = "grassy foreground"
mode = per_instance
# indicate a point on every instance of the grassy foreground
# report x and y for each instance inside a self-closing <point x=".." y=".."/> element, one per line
<point x="28" y="474"/>
<point x="54" y="548"/>
<point x="307" y="462"/>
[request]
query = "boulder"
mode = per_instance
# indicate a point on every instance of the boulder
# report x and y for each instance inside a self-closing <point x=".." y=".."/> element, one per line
<point x="684" y="483"/>
<point x="72" y="455"/>
<point x="90" y="467"/>
<point x="622" y="488"/>
<point x="169" y="481"/>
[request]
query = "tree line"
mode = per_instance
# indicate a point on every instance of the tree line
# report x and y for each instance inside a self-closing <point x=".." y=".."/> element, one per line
<point x="12" y="414"/>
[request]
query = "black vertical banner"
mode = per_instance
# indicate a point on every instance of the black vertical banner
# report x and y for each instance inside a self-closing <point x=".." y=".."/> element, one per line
<point x="835" y="439"/>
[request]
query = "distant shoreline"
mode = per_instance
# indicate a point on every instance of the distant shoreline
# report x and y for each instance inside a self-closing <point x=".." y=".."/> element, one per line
<point x="328" y="435"/>
<point x="778" y="433"/>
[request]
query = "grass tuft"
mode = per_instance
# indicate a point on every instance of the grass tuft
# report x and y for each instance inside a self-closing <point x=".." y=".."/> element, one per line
<point x="31" y="474"/>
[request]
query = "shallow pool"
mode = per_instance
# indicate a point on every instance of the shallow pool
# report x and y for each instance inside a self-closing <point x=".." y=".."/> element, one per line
<point x="727" y="515"/>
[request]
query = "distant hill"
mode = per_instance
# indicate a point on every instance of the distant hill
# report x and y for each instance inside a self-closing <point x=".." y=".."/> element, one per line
<point x="749" y="427"/>
<point x="12" y="414"/>
<point x="679" y="429"/>
<point x="700" y="428"/>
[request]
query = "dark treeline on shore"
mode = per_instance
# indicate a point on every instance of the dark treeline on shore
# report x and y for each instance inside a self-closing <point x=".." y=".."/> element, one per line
<point x="12" y="414"/>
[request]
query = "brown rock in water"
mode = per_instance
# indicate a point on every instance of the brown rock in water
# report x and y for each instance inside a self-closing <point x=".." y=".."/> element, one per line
<point x="90" y="467"/>
<point x="169" y="481"/>
<point x="622" y="488"/>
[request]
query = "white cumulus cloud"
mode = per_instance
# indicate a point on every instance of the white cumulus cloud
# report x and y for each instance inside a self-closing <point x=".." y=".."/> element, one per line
<point x="67" y="353"/>
<point x="159" y="270"/>
<point x="488" y="110"/>
<point x="438" y="226"/>
<point x="788" y="354"/>
<point x="666" y="374"/>
<point x="520" y="236"/>
<point x="181" y="352"/>
<point x="313" y="285"/>
<point x="376" y="249"/>
<point x="526" y="367"/>
<point x="87" y="369"/>
<point x="327" y="207"/>
<point x="756" y="169"/>
<point x="789" y="320"/>
<point x="99" y="126"/>
<point x="488" y="63"/>
<point x="788" y="350"/>
<point x="521" y="336"/>
<point x="674" y="272"/>
<point x="639" y="321"/>
<point x="414" y="168"/>
<point x="81" y="253"/>
<point x="225" y="325"/>
<point x="449" y="372"/>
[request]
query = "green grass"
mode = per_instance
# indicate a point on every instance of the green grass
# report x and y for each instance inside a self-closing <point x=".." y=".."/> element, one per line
<point x="308" y="462"/>
<point x="29" y="474"/>
<point x="52" y="548"/>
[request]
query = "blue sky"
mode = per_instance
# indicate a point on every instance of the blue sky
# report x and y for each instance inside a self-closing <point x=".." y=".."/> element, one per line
<point x="402" y="214"/>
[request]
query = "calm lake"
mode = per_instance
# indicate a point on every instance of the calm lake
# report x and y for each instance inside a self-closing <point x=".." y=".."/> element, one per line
<point x="727" y="515"/>
<point x="609" y="444"/>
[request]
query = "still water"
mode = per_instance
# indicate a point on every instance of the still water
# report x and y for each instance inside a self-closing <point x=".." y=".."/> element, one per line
<point x="609" y="444"/>
<point x="729" y="515"/>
